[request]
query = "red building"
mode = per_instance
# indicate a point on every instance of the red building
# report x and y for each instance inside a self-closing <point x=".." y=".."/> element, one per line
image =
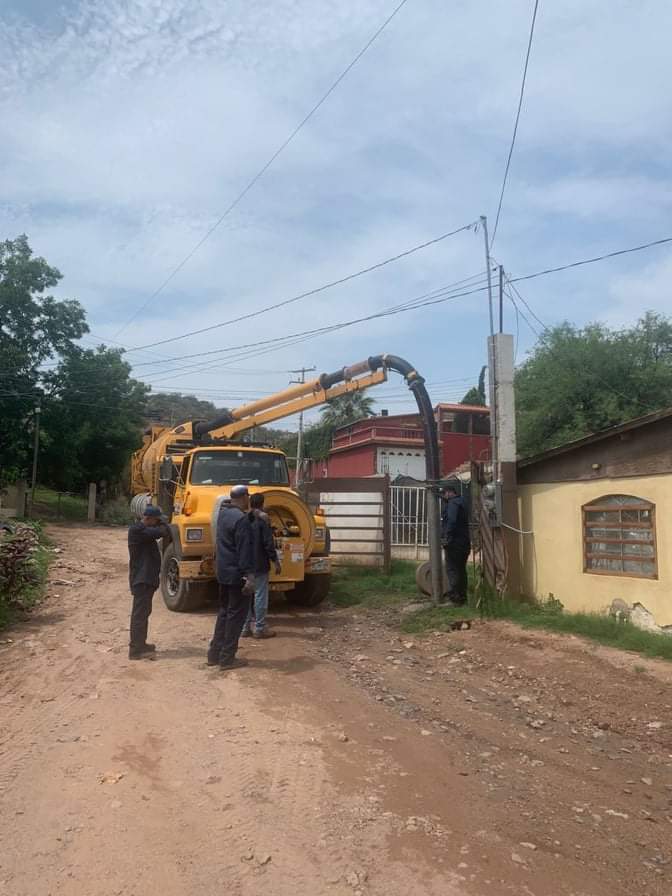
<point x="394" y="445"/>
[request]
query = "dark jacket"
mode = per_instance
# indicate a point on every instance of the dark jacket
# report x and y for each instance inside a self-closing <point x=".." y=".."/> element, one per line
<point x="262" y="541"/>
<point x="235" y="553"/>
<point x="144" y="563"/>
<point x="455" y="524"/>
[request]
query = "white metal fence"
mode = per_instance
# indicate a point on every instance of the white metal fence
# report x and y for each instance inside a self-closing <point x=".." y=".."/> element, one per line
<point x="408" y="516"/>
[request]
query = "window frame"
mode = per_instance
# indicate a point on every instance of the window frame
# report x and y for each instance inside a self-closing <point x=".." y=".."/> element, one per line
<point x="597" y="506"/>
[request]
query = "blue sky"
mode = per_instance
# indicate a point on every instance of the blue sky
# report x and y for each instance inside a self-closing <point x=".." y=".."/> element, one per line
<point x="126" y="128"/>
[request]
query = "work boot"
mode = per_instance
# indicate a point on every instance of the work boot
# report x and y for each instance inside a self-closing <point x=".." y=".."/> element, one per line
<point x="147" y="651"/>
<point x="246" y="632"/>
<point x="264" y="633"/>
<point x="213" y="659"/>
<point x="235" y="663"/>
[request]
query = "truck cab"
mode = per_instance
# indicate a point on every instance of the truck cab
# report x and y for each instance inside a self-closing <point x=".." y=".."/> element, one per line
<point x="192" y="488"/>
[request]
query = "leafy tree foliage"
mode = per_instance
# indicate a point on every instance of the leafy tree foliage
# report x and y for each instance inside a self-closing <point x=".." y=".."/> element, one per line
<point x="347" y="409"/>
<point x="578" y="381"/>
<point x="173" y="408"/>
<point x="476" y="395"/>
<point x="93" y="417"/>
<point x="34" y="328"/>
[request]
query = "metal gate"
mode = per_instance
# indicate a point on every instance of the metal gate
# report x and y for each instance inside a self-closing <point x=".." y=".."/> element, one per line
<point x="358" y="517"/>
<point x="408" y="516"/>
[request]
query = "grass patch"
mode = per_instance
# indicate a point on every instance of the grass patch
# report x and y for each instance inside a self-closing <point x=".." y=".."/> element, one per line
<point x="53" y="505"/>
<point x="598" y="627"/>
<point x="363" y="586"/>
<point x="549" y="616"/>
<point x="116" y="512"/>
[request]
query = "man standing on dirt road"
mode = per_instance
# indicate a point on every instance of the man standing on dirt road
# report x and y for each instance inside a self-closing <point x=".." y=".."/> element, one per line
<point x="265" y="553"/>
<point x="235" y="574"/>
<point x="456" y="544"/>
<point x="144" y="567"/>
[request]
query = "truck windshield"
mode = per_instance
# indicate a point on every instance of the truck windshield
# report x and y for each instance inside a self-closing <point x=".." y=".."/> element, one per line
<point x="234" y="467"/>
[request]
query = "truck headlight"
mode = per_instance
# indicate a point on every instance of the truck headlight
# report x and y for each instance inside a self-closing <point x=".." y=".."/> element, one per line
<point x="194" y="534"/>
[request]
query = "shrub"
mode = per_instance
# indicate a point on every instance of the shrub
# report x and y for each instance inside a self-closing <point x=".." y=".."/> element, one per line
<point x="23" y="562"/>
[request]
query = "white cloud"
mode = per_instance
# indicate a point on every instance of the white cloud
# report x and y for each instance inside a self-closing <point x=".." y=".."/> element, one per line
<point x="126" y="133"/>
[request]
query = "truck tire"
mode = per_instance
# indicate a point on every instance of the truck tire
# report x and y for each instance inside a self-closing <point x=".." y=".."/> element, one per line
<point x="178" y="595"/>
<point x="311" y="592"/>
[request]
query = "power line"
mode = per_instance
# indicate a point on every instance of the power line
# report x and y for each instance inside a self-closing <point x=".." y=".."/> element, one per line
<point x="527" y="305"/>
<point x="536" y="274"/>
<point x="576" y="264"/>
<point x="268" y="164"/>
<point x="228" y="349"/>
<point x="310" y="292"/>
<point x="520" y="312"/>
<point x="515" y="126"/>
<point x="515" y="307"/>
<point x="295" y="338"/>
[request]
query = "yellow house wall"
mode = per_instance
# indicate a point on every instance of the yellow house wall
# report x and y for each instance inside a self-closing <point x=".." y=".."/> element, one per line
<point x="552" y="558"/>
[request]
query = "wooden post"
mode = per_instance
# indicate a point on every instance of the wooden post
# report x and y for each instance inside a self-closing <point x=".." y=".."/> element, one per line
<point x="92" y="502"/>
<point x="21" y="495"/>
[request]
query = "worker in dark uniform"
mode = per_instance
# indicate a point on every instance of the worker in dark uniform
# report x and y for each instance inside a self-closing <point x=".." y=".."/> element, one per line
<point x="144" y="567"/>
<point x="456" y="544"/>
<point x="234" y="557"/>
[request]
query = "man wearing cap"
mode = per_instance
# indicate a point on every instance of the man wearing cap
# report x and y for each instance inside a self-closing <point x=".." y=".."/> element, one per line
<point x="234" y="559"/>
<point x="144" y="568"/>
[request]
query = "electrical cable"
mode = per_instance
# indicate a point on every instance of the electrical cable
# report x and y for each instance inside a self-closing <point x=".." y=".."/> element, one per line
<point x="576" y="264"/>
<point x="515" y="126"/>
<point x="222" y="351"/>
<point x="267" y="165"/>
<point x="295" y="338"/>
<point x="310" y="292"/>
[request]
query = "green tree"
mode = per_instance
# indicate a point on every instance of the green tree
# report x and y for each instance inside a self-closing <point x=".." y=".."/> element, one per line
<point x="580" y="380"/>
<point x="476" y="395"/>
<point x="34" y="328"/>
<point x="92" y="419"/>
<point x="347" y="409"/>
<point x="173" y="408"/>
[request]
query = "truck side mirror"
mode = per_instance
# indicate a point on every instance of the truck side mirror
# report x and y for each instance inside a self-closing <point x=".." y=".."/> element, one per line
<point x="166" y="470"/>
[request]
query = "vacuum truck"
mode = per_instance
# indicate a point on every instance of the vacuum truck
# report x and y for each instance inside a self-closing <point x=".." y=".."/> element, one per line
<point x="189" y="470"/>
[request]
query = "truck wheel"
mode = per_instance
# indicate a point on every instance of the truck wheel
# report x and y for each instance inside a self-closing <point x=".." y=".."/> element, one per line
<point x="311" y="592"/>
<point x="178" y="595"/>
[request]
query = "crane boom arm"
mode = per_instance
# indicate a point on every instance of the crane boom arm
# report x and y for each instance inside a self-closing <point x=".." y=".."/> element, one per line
<point x="292" y="401"/>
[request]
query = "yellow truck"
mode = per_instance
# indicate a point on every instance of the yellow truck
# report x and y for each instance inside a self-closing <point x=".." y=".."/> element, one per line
<point x="189" y="470"/>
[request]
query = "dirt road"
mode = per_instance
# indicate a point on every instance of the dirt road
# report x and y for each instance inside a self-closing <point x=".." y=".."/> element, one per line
<point x="345" y="760"/>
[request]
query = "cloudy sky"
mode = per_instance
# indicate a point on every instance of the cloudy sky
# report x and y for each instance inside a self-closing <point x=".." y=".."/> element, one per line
<point x="127" y="127"/>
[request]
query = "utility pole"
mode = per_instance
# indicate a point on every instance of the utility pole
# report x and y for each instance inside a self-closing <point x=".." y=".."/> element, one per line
<point x="36" y="448"/>
<point x="484" y="224"/>
<point x="492" y="360"/>
<point x="501" y="298"/>
<point x="302" y="371"/>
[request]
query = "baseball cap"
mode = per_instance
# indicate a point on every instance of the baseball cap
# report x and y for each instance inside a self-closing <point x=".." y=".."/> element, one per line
<point x="239" y="491"/>
<point x="152" y="510"/>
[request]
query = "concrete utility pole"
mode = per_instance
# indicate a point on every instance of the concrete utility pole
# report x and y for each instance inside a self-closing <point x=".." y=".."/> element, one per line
<point x="492" y="359"/>
<point x="36" y="448"/>
<point x="302" y="371"/>
<point x="501" y="299"/>
<point x="506" y="486"/>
